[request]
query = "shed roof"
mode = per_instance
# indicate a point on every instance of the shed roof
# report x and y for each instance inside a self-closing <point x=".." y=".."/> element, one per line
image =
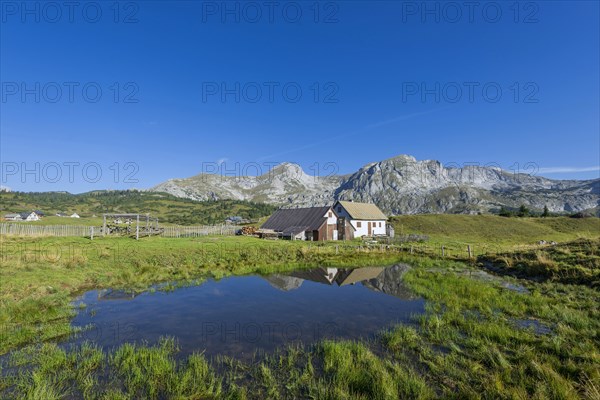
<point x="363" y="210"/>
<point x="309" y="218"/>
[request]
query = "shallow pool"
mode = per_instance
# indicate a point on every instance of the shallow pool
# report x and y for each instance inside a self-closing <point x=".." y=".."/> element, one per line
<point x="240" y="316"/>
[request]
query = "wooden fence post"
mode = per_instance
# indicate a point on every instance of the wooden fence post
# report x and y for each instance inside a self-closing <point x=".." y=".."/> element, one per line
<point x="469" y="250"/>
<point x="443" y="251"/>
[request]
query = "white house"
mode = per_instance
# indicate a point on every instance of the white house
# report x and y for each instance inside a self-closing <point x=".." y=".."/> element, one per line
<point x="74" y="215"/>
<point x="30" y="216"/>
<point x="13" y="217"/>
<point x="366" y="218"/>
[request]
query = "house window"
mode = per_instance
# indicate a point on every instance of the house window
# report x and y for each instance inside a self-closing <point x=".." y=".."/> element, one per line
<point x="358" y="224"/>
<point x="330" y="214"/>
<point x="380" y="224"/>
<point x="339" y="209"/>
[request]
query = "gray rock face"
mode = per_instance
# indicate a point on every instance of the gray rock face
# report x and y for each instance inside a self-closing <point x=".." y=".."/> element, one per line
<point x="400" y="185"/>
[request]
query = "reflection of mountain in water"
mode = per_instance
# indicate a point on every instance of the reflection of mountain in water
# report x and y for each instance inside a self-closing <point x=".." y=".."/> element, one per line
<point x="284" y="282"/>
<point x="386" y="280"/>
<point x="390" y="281"/>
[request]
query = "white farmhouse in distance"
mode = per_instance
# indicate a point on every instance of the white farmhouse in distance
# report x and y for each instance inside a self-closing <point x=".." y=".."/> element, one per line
<point x="29" y="216"/>
<point x="74" y="215"/>
<point x="366" y="218"/>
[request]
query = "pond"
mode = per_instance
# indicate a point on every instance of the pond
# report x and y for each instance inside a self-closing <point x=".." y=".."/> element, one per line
<point x="244" y="315"/>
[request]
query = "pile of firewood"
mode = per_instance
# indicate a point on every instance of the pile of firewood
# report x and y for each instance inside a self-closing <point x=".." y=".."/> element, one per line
<point x="248" y="230"/>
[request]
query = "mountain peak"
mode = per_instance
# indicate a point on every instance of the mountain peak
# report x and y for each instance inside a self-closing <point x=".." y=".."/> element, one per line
<point x="402" y="158"/>
<point x="288" y="169"/>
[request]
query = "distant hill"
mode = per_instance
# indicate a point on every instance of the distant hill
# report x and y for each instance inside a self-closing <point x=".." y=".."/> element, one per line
<point x="166" y="207"/>
<point x="399" y="185"/>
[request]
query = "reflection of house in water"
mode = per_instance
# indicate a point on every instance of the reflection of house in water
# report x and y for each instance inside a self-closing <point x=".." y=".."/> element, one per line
<point x="319" y="275"/>
<point x="110" y="294"/>
<point x="352" y="276"/>
<point x="385" y="280"/>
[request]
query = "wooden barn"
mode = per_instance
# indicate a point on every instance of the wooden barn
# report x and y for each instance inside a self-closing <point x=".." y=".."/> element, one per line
<point x="314" y="223"/>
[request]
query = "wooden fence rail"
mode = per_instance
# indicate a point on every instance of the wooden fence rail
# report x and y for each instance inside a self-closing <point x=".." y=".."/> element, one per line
<point x="44" y="230"/>
<point x="86" y="231"/>
<point x="187" y="231"/>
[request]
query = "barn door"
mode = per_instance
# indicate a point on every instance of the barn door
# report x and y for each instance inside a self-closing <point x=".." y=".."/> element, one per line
<point x="369" y="227"/>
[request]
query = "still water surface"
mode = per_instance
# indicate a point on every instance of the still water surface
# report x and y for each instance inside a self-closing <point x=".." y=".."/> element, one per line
<point x="239" y="316"/>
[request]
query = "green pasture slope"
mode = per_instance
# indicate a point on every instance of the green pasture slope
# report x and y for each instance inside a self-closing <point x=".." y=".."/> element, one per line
<point x="168" y="208"/>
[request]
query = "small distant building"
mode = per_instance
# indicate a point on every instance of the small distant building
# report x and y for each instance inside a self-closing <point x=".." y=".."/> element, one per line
<point x="13" y="217"/>
<point x="235" y="220"/>
<point x="366" y="218"/>
<point x="39" y="213"/>
<point x="75" y="215"/>
<point x="29" y="216"/>
<point x="313" y="223"/>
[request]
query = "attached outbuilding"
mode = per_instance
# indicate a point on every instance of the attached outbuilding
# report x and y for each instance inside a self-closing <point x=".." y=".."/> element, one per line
<point x="13" y="217"/>
<point x="366" y="218"/>
<point x="313" y="223"/>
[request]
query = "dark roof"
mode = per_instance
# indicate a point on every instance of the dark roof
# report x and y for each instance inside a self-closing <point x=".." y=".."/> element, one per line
<point x="319" y="275"/>
<point x="294" y="230"/>
<point x="311" y="218"/>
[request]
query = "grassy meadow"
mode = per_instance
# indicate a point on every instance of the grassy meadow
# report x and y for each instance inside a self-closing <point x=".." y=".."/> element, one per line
<point x="492" y="233"/>
<point x="477" y="339"/>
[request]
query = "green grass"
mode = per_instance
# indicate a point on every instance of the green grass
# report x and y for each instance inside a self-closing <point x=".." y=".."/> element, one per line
<point x="494" y="233"/>
<point x="468" y="344"/>
<point x="576" y="262"/>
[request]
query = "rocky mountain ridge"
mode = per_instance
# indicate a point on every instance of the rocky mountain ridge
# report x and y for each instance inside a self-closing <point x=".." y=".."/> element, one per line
<point x="399" y="185"/>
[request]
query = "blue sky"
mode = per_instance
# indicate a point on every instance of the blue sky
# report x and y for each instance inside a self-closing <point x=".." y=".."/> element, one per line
<point x="185" y="85"/>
